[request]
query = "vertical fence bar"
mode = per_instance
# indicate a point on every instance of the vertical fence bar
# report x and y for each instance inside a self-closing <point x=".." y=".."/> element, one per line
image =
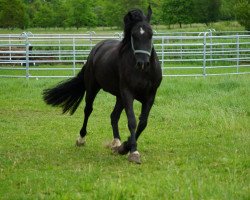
<point x="238" y="51"/>
<point x="222" y="50"/>
<point x="211" y="47"/>
<point x="27" y="55"/>
<point x="60" y="47"/>
<point x="162" y="54"/>
<point x="90" y="38"/>
<point x="74" y="57"/>
<point x="204" y="53"/>
<point x="10" y="55"/>
<point x="181" y="45"/>
<point x="90" y="41"/>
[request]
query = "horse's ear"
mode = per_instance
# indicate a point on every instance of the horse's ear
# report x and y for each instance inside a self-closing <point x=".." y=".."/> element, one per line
<point x="149" y="13"/>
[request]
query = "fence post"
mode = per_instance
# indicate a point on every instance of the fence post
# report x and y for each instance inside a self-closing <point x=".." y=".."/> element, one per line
<point x="27" y="44"/>
<point x="211" y="47"/>
<point x="238" y="51"/>
<point x="91" y="42"/>
<point x="119" y="36"/>
<point x="60" y="47"/>
<point x="204" y="54"/>
<point x="74" y="56"/>
<point x="162" y="53"/>
<point x="91" y="33"/>
<point x="181" y="46"/>
<point x="10" y="55"/>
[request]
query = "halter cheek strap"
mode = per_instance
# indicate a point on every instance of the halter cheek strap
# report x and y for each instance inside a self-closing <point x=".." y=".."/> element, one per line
<point x="140" y="50"/>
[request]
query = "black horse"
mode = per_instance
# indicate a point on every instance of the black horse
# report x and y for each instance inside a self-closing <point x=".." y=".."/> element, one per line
<point x="128" y="69"/>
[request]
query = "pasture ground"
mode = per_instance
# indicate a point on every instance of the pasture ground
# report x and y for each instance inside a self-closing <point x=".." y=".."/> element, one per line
<point x="218" y="26"/>
<point x="196" y="145"/>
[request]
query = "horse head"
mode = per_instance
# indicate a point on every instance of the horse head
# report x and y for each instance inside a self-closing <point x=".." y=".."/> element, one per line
<point x="138" y="33"/>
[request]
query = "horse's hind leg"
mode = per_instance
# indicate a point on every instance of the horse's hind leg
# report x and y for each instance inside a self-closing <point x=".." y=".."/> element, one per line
<point x="115" y="116"/>
<point x="89" y="99"/>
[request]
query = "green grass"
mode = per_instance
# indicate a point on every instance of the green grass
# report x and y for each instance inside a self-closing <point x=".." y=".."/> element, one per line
<point x="218" y="26"/>
<point x="196" y="145"/>
<point x="170" y="69"/>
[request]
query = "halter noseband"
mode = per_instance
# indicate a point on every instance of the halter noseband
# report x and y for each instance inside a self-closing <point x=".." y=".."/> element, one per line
<point x="140" y="50"/>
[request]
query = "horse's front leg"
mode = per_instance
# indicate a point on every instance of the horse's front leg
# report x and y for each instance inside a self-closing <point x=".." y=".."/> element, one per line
<point x="146" y="107"/>
<point x="145" y="110"/>
<point x="131" y="144"/>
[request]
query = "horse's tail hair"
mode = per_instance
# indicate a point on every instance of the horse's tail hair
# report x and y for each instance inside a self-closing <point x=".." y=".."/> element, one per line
<point x="67" y="94"/>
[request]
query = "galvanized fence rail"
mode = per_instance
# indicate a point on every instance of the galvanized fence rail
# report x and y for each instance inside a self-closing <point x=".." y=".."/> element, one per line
<point x="181" y="54"/>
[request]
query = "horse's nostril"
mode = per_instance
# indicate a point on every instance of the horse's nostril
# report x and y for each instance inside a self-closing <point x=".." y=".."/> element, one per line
<point x="142" y="65"/>
<point x="139" y="64"/>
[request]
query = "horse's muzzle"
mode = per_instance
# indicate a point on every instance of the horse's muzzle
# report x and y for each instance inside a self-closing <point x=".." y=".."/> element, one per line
<point x="142" y="65"/>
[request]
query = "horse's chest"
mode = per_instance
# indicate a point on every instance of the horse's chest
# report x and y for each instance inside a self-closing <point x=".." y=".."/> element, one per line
<point x="140" y="85"/>
<point x="143" y="85"/>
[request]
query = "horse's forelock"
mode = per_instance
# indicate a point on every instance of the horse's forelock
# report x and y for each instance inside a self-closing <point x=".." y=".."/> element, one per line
<point x="131" y="19"/>
<point x="134" y="16"/>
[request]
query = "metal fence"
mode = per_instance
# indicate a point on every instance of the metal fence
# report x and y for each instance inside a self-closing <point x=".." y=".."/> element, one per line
<point x="181" y="54"/>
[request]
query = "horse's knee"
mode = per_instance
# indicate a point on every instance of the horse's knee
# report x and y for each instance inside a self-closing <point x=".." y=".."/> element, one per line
<point x="132" y="124"/>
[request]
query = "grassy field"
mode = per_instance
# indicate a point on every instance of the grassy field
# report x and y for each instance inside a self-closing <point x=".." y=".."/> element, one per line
<point x="218" y="26"/>
<point x="196" y="145"/>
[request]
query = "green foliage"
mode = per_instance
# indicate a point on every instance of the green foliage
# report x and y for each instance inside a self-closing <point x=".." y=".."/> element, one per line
<point x="242" y="9"/>
<point x="177" y="12"/>
<point x="43" y="16"/>
<point x="206" y="11"/>
<point x="61" y="15"/>
<point x="157" y="17"/>
<point x="13" y="14"/>
<point x="90" y="13"/>
<point x="226" y="11"/>
<point x="190" y="11"/>
<point x="81" y="13"/>
<point x="113" y="11"/>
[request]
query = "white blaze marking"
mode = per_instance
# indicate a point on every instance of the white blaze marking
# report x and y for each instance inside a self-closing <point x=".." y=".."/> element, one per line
<point x="142" y="31"/>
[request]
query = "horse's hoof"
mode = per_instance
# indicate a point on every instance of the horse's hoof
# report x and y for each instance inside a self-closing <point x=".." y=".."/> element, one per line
<point x="122" y="150"/>
<point x="134" y="157"/>
<point x="80" y="141"/>
<point x="115" y="143"/>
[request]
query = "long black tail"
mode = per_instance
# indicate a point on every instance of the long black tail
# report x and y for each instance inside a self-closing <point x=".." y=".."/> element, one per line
<point x="67" y="94"/>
